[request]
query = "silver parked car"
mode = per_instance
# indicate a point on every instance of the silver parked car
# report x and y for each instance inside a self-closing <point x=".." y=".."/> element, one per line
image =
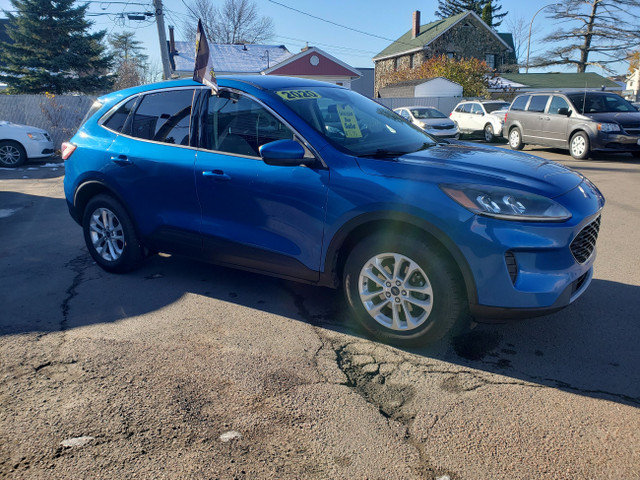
<point x="480" y="116"/>
<point x="580" y="121"/>
<point x="431" y="120"/>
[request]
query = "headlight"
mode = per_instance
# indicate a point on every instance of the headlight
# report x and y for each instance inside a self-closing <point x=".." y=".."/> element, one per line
<point x="608" y="127"/>
<point x="36" y="136"/>
<point x="507" y="204"/>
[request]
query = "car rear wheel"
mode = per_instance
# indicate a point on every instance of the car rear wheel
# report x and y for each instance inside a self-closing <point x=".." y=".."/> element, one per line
<point x="579" y="146"/>
<point x="515" y="139"/>
<point x="402" y="289"/>
<point x="489" y="135"/>
<point x="12" y="154"/>
<point x="110" y="235"/>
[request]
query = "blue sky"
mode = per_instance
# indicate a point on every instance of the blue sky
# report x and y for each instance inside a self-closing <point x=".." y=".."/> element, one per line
<point x="383" y="18"/>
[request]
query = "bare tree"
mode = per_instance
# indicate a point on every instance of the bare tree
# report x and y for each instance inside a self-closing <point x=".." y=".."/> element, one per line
<point x="519" y="29"/>
<point x="236" y="21"/>
<point x="598" y="32"/>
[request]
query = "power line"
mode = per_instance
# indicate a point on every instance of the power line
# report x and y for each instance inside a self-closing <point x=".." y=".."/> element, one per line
<point x="334" y="23"/>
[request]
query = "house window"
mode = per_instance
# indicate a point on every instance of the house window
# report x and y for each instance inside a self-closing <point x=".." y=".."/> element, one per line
<point x="395" y="64"/>
<point x="411" y="60"/>
<point x="451" y="54"/>
<point x="490" y="58"/>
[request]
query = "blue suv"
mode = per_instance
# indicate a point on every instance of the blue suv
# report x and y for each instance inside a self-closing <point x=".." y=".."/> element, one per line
<point x="312" y="182"/>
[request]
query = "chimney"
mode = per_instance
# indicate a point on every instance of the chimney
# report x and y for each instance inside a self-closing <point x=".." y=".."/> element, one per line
<point x="172" y="41"/>
<point x="415" y="30"/>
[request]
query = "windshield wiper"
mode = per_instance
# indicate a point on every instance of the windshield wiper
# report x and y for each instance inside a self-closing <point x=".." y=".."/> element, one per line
<point x="382" y="153"/>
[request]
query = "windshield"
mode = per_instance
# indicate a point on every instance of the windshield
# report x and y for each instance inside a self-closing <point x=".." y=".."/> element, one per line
<point x="353" y="123"/>
<point x="492" y="107"/>
<point x="427" y="113"/>
<point x="600" y="103"/>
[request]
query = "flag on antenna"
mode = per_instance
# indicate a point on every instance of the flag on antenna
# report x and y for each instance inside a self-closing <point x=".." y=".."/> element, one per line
<point x="203" y="70"/>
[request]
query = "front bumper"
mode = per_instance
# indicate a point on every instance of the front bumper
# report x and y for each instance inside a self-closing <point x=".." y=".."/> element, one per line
<point x="38" y="148"/>
<point x="606" y="142"/>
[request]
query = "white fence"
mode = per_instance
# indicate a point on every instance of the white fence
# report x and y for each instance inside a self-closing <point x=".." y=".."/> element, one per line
<point x="60" y="115"/>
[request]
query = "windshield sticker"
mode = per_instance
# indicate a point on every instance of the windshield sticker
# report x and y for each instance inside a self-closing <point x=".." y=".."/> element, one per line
<point x="298" y="95"/>
<point x="349" y="122"/>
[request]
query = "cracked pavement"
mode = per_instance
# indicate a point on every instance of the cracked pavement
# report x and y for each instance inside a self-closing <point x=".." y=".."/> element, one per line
<point x="186" y="370"/>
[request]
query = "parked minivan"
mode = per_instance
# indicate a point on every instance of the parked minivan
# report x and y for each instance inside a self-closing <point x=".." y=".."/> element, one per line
<point x="581" y="121"/>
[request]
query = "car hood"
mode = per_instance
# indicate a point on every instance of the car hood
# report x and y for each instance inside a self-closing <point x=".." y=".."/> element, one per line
<point x="620" y="117"/>
<point x="469" y="163"/>
<point x="19" y="127"/>
<point x="435" y="121"/>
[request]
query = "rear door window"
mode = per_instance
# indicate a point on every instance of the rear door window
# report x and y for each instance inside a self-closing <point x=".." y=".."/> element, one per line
<point x="520" y="103"/>
<point x="164" y="117"/>
<point x="117" y="120"/>
<point x="538" y="103"/>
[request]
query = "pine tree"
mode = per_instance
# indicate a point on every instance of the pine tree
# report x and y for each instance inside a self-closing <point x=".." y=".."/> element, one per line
<point x="129" y="63"/>
<point x="449" y="8"/>
<point x="52" y="49"/>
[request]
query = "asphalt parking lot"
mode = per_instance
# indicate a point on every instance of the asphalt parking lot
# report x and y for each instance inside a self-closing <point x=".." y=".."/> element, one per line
<point x="187" y="370"/>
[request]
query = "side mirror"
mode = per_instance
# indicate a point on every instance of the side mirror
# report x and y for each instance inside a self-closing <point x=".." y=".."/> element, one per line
<point x="480" y="113"/>
<point x="284" y="153"/>
<point x="564" y="111"/>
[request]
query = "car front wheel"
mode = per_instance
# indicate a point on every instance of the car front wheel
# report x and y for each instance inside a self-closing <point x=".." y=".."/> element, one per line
<point x="579" y="146"/>
<point x="515" y="139"/>
<point x="402" y="289"/>
<point x="12" y="154"/>
<point x="110" y="235"/>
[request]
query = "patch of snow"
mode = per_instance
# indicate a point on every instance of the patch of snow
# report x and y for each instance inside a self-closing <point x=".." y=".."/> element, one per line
<point x="53" y="165"/>
<point x="230" y="435"/>
<point x="76" y="442"/>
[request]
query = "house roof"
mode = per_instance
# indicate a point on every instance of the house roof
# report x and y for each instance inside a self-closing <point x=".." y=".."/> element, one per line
<point x="428" y="33"/>
<point x="232" y="58"/>
<point x="315" y="62"/>
<point x="553" y="81"/>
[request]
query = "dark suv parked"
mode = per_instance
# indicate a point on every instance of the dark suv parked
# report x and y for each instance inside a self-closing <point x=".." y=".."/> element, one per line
<point x="583" y="122"/>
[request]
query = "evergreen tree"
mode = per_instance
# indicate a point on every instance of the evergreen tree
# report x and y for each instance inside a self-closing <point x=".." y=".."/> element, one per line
<point x="487" y="14"/>
<point x="52" y="49"/>
<point x="449" y="8"/>
<point x="129" y="63"/>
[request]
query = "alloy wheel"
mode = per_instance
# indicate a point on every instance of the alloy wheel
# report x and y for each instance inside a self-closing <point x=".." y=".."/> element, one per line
<point x="395" y="291"/>
<point x="107" y="234"/>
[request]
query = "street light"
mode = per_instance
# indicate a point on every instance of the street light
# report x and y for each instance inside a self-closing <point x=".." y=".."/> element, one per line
<point x="530" y="26"/>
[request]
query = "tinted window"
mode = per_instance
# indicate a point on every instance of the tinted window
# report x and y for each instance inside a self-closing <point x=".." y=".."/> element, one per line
<point x="405" y="114"/>
<point x="538" y="103"/>
<point x="556" y="104"/>
<point x="520" y="103"/>
<point x="117" y="120"/>
<point x="164" y="117"/>
<point x="600" y="103"/>
<point x="492" y="107"/>
<point x="476" y="108"/>
<point x="239" y="125"/>
<point x="427" y="113"/>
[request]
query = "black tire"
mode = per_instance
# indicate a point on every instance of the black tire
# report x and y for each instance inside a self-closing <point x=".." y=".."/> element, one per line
<point x="515" y="139"/>
<point x="446" y="299"/>
<point x="12" y="154"/>
<point x="579" y="146"/>
<point x="110" y="235"/>
<point x="489" y="134"/>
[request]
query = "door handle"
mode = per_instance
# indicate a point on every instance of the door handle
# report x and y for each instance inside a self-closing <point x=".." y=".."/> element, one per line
<point x="121" y="160"/>
<point x="217" y="175"/>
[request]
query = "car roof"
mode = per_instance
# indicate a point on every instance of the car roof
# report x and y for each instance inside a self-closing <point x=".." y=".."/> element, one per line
<point x="262" y="82"/>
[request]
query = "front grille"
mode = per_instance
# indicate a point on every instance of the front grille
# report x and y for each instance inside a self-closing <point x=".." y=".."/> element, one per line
<point x="632" y="128"/>
<point x="512" y="266"/>
<point x="577" y="285"/>
<point x="583" y="245"/>
<point x="441" y="127"/>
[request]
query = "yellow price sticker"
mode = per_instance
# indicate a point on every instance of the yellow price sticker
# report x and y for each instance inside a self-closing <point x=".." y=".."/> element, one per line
<point x="290" y="95"/>
<point x="349" y="122"/>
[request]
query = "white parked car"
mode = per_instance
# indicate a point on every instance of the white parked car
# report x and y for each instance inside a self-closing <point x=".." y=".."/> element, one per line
<point x="19" y="143"/>
<point x="480" y="116"/>
<point x="431" y="120"/>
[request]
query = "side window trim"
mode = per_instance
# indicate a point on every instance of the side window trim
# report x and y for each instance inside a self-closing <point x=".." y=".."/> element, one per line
<point x="115" y="108"/>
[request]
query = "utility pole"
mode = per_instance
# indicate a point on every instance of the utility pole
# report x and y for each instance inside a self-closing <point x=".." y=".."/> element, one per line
<point x="162" y="36"/>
